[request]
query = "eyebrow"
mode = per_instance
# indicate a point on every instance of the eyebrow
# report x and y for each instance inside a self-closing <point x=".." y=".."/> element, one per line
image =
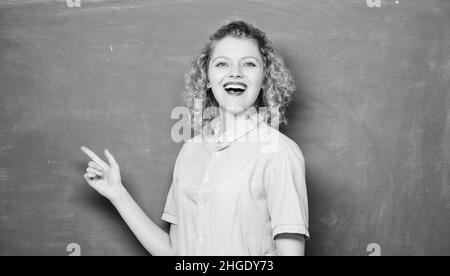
<point x="241" y="58"/>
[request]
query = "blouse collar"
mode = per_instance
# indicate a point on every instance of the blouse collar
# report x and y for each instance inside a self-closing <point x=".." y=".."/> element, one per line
<point x="216" y="140"/>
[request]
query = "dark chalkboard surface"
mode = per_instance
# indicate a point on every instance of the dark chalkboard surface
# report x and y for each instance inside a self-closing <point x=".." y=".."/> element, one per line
<point x="371" y="115"/>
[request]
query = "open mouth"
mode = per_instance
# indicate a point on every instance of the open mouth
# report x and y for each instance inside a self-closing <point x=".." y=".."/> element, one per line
<point x="235" y="88"/>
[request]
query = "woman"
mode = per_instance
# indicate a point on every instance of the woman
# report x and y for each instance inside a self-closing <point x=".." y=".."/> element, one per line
<point x="239" y="185"/>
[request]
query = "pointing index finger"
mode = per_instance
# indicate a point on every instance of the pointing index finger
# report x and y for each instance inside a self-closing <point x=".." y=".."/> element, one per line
<point x="94" y="157"/>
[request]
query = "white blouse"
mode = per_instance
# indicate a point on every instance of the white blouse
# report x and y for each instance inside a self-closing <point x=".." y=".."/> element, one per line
<point x="233" y="198"/>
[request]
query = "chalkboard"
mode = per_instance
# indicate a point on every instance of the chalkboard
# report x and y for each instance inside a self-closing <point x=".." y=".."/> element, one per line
<point x="371" y="115"/>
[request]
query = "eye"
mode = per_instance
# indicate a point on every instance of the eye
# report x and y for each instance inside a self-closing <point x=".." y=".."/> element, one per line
<point x="220" y="64"/>
<point x="250" y="64"/>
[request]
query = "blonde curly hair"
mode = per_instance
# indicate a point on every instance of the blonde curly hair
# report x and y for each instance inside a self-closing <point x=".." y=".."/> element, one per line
<point x="279" y="85"/>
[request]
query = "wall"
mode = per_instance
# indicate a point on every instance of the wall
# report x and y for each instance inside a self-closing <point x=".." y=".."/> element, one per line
<point x="371" y="115"/>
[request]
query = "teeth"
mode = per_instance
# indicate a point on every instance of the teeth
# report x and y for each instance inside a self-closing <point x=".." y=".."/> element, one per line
<point x="235" y="86"/>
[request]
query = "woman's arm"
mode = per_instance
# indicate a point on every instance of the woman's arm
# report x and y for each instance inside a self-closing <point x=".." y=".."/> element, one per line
<point x="290" y="244"/>
<point x="150" y="235"/>
<point x="105" y="178"/>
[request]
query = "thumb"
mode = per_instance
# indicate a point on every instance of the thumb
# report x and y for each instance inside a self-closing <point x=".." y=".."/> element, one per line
<point x="112" y="162"/>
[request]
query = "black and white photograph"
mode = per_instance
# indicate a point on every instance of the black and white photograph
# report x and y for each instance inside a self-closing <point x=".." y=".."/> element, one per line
<point x="225" y="128"/>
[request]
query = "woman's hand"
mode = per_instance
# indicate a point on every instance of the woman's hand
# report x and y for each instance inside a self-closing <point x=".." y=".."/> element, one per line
<point x="103" y="177"/>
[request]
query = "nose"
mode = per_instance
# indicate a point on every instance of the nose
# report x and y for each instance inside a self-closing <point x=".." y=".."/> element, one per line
<point x="235" y="71"/>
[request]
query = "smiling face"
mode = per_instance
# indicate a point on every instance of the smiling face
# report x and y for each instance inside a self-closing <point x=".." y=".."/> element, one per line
<point x="236" y="73"/>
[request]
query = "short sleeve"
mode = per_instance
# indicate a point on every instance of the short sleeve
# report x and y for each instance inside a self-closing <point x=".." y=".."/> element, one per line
<point x="170" y="208"/>
<point x="170" y="213"/>
<point x="286" y="192"/>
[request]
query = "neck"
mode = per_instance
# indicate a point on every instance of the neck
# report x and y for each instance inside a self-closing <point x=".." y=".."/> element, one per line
<point x="230" y="120"/>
